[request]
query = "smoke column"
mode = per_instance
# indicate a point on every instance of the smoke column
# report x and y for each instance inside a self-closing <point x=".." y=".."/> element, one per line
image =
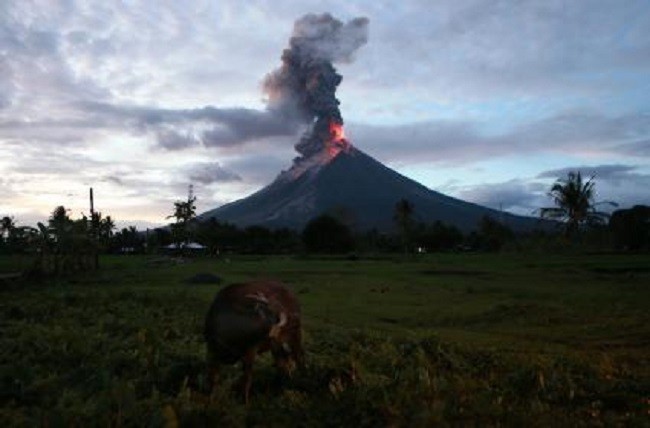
<point x="305" y="84"/>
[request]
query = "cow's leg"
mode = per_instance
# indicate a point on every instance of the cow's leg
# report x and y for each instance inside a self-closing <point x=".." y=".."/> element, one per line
<point x="297" y="352"/>
<point x="211" y="373"/>
<point x="282" y="359"/>
<point x="247" y="376"/>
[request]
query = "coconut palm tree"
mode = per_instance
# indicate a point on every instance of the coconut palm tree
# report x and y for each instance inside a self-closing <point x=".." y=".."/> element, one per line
<point x="184" y="213"/>
<point x="575" y="206"/>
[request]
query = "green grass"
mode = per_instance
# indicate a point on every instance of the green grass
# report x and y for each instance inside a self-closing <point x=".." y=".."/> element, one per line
<point x="503" y="339"/>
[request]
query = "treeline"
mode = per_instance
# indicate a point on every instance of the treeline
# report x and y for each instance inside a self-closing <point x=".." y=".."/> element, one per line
<point x="62" y="244"/>
<point x="326" y="234"/>
<point x="66" y="244"/>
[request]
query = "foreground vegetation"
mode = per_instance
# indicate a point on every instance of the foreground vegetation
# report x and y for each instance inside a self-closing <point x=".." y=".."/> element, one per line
<point x="491" y="339"/>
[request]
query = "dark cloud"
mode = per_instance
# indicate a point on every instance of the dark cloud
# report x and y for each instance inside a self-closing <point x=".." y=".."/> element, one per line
<point x="239" y="126"/>
<point x="602" y="172"/>
<point x="514" y="195"/>
<point x="441" y="141"/>
<point x="259" y="169"/>
<point x="211" y="172"/>
<point x="457" y="142"/>
<point x="169" y="139"/>
<point x="637" y="148"/>
<point x="622" y="184"/>
<point x="229" y="126"/>
<point x="582" y="128"/>
<point x="114" y="180"/>
<point x="626" y="185"/>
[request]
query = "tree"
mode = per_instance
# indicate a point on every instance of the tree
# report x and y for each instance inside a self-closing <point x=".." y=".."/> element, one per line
<point x="493" y="234"/>
<point x="128" y="240"/>
<point x="631" y="228"/>
<point x="101" y="228"/>
<point x="7" y="230"/>
<point x="157" y="238"/>
<point x="184" y="213"/>
<point x="258" y="239"/>
<point x="6" y="226"/>
<point x="403" y="217"/>
<point x="60" y="229"/>
<point x="439" y="236"/>
<point x="575" y="203"/>
<point x="285" y="240"/>
<point x="325" y="234"/>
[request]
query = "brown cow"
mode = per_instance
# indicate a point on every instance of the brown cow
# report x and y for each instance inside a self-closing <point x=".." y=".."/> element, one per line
<point x="251" y="318"/>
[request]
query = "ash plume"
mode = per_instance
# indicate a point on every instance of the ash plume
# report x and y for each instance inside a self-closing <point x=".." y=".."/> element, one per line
<point x="305" y="84"/>
<point x="301" y="91"/>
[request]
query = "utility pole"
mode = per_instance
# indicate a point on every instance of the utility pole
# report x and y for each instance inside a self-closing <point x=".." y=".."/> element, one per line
<point x="92" y="203"/>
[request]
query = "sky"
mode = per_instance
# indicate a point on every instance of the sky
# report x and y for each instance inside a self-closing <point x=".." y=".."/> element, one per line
<point x="487" y="101"/>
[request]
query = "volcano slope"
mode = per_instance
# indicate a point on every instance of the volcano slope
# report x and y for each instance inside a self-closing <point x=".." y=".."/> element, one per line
<point x="361" y="188"/>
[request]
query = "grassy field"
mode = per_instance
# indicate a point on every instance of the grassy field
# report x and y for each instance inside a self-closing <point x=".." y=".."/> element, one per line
<point x="450" y="339"/>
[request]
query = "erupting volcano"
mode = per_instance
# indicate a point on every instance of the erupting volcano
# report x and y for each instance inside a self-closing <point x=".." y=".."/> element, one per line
<point x="305" y="85"/>
<point x="331" y="175"/>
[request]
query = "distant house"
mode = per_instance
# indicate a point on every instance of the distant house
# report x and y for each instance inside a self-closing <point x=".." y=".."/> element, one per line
<point x="191" y="247"/>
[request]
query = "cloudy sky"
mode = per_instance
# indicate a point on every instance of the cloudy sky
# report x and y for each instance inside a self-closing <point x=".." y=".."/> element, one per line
<point x="488" y="101"/>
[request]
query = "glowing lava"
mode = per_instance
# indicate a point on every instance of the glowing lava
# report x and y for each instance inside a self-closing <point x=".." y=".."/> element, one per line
<point x="336" y="131"/>
<point x="337" y="141"/>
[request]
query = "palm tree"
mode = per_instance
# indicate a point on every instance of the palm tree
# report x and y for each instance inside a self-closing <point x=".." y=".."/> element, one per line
<point x="575" y="203"/>
<point x="43" y="241"/>
<point x="106" y="228"/>
<point x="184" y="213"/>
<point x="101" y="229"/>
<point x="60" y="225"/>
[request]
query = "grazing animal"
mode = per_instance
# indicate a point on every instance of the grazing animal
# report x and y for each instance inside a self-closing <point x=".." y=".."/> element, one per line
<point x="248" y="319"/>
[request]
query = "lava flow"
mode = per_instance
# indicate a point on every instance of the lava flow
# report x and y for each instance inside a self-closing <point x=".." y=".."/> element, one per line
<point x="337" y="141"/>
